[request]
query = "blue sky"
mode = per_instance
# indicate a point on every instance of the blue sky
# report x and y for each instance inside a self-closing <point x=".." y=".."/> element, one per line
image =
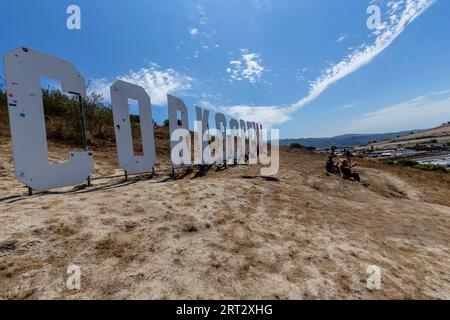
<point x="309" y="68"/>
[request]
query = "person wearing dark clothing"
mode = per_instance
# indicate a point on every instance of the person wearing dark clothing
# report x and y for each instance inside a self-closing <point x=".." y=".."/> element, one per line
<point x="333" y="151"/>
<point x="349" y="156"/>
<point x="347" y="171"/>
<point x="330" y="165"/>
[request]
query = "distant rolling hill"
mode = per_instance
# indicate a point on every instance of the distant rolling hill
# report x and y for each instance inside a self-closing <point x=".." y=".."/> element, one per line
<point x="438" y="132"/>
<point x="347" y="140"/>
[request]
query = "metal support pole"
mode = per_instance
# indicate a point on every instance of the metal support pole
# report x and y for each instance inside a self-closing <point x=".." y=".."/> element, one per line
<point x="83" y="130"/>
<point x="126" y="175"/>
<point x="83" y="123"/>
<point x="30" y="191"/>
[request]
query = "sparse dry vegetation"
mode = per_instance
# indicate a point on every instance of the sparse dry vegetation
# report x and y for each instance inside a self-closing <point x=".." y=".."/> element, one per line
<point x="227" y="234"/>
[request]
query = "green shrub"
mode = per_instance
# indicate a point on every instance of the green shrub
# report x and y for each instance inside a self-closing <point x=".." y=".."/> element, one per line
<point x="431" y="167"/>
<point x="295" y="146"/>
<point x="414" y="164"/>
<point x="407" y="163"/>
<point x="2" y="99"/>
<point x="387" y="161"/>
<point x="62" y="115"/>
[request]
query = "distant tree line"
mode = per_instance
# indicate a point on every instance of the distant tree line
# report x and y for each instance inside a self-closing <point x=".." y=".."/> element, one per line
<point x="296" y="145"/>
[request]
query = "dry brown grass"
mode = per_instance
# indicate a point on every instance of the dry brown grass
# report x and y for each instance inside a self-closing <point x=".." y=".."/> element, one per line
<point x="441" y="131"/>
<point x="229" y="234"/>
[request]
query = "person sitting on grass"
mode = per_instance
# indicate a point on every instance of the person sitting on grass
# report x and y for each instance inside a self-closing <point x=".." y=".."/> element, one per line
<point x="347" y="172"/>
<point x="331" y="167"/>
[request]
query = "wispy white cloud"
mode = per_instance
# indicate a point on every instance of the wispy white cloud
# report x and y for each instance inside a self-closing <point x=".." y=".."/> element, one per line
<point x="203" y="19"/>
<point x="248" y="67"/>
<point x="261" y="114"/>
<point x="158" y="83"/>
<point x="202" y="35"/>
<point x="341" y="38"/>
<point x="399" y="15"/>
<point x="262" y="5"/>
<point x="419" y="113"/>
<point x="405" y="11"/>
<point x="193" y="32"/>
<point x="350" y="105"/>
<point x="253" y="69"/>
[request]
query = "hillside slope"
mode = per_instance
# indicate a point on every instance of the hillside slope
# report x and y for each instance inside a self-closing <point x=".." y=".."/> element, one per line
<point x="439" y="134"/>
<point x="441" y="131"/>
<point x="229" y="234"/>
<point x="347" y="140"/>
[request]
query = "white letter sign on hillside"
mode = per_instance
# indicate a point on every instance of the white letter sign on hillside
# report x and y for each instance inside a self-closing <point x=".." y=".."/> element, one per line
<point x="252" y="156"/>
<point x="121" y="91"/>
<point x="232" y="146"/>
<point x="179" y="133"/>
<point x="23" y="70"/>
<point x="202" y="117"/>
<point x="243" y="150"/>
<point x="221" y="122"/>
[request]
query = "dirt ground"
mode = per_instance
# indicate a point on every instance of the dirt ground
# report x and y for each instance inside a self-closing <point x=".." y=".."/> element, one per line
<point x="229" y="234"/>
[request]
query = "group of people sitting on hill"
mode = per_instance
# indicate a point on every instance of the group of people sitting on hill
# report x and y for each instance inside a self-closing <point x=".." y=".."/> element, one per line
<point x="344" y="167"/>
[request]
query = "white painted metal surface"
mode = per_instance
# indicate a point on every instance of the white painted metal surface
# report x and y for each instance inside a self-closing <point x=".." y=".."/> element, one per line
<point x="251" y="132"/>
<point x="260" y="138"/>
<point x="202" y="117"/>
<point x="243" y="144"/>
<point x="233" y="148"/>
<point x="221" y="126"/>
<point x="24" y="68"/>
<point x="121" y="91"/>
<point x="179" y="141"/>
